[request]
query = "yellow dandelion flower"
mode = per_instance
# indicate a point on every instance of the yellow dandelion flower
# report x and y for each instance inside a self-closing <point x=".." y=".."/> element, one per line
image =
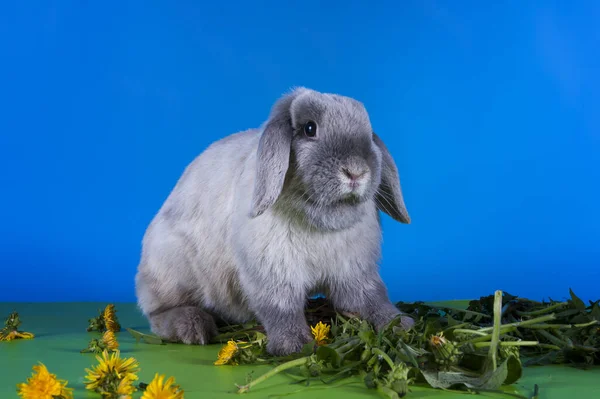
<point x="438" y="340"/>
<point x="320" y="333"/>
<point x="227" y="353"/>
<point x="110" y="319"/>
<point x="161" y="389"/>
<point x="11" y="329"/>
<point x="11" y="335"/>
<point x="110" y="341"/>
<point x="108" y="376"/>
<point x="125" y="388"/>
<point x="44" y="385"/>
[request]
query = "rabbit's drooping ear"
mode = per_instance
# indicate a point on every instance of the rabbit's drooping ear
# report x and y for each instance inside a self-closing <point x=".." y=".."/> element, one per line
<point x="389" y="195"/>
<point x="273" y="155"/>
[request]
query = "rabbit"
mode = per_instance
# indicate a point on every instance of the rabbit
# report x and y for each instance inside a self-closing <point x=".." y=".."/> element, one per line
<point x="264" y="218"/>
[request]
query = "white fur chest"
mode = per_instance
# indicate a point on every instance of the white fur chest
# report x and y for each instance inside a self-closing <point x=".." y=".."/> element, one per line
<point x="278" y="250"/>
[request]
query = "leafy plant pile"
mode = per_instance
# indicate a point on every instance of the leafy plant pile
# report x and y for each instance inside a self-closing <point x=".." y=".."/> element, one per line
<point x="481" y="348"/>
<point x="568" y="332"/>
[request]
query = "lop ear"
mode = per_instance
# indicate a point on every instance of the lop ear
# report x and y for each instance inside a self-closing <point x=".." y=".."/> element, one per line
<point x="273" y="155"/>
<point x="389" y="196"/>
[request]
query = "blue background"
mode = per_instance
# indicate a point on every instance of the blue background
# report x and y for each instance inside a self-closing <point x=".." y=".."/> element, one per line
<point x="491" y="112"/>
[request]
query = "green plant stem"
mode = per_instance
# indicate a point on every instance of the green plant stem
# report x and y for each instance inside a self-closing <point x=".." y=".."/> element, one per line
<point x="561" y="326"/>
<point x="543" y="311"/>
<point x="457" y="326"/>
<point x="379" y="352"/>
<point x="559" y="342"/>
<point x="340" y="342"/>
<point x="591" y="323"/>
<point x="484" y="338"/>
<point x="469" y="312"/>
<point x="493" y="353"/>
<point x="536" y="392"/>
<point x="552" y="338"/>
<point x="347" y="347"/>
<point x="387" y="392"/>
<point x="549" y="346"/>
<point x="585" y="348"/>
<point x="506" y="343"/>
<point x="474" y="332"/>
<point x="544" y="326"/>
<point x="282" y="367"/>
<point x="488" y="337"/>
<point x="523" y="323"/>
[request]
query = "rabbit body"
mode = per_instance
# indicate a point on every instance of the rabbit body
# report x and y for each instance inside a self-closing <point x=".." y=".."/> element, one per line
<point x="263" y="218"/>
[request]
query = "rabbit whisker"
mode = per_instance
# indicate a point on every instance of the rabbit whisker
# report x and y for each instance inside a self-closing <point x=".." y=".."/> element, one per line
<point x="384" y="195"/>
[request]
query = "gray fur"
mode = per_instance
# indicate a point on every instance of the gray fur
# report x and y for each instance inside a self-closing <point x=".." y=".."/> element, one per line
<point x="264" y="218"/>
<point x="188" y="324"/>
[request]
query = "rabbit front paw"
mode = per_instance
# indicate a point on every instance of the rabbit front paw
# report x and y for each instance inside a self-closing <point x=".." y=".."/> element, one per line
<point x="283" y="342"/>
<point x="382" y="318"/>
<point x="187" y="324"/>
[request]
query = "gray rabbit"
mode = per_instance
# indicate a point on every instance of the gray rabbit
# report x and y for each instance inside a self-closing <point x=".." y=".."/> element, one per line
<point x="264" y="218"/>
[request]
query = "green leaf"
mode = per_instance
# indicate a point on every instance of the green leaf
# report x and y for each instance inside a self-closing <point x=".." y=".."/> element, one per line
<point x="328" y="356"/>
<point x="595" y="313"/>
<point x="308" y="349"/>
<point x="407" y="351"/>
<point x="367" y="336"/>
<point x="451" y="320"/>
<point x="149" y="339"/>
<point x="578" y="303"/>
<point x="369" y="380"/>
<point x="334" y="329"/>
<point x="567" y="313"/>
<point x="493" y="379"/>
<point x="514" y="369"/>
<point x="348" y="370"/>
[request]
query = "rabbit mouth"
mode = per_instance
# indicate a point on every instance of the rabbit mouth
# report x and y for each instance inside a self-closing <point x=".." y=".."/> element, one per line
<point x="327" y="213"/>
<point x="350" y="199"/>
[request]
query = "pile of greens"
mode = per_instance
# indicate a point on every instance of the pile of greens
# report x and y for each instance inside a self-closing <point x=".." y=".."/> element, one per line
<point x="480" y="348"/>
<point x="568" y="332"/>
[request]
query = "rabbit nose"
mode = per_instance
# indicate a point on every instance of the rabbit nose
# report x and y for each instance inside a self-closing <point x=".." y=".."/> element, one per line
<point x="354" y="173"/>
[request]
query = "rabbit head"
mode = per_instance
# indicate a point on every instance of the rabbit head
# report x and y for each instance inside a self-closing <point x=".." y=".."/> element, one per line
<point x="319" y="158"/>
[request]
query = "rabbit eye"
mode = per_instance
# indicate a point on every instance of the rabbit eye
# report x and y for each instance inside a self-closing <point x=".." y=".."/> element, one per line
<point x="310" y="129"/>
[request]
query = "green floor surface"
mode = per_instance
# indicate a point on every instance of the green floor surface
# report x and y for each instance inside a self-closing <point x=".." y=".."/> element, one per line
<point x="60" y="335"/>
